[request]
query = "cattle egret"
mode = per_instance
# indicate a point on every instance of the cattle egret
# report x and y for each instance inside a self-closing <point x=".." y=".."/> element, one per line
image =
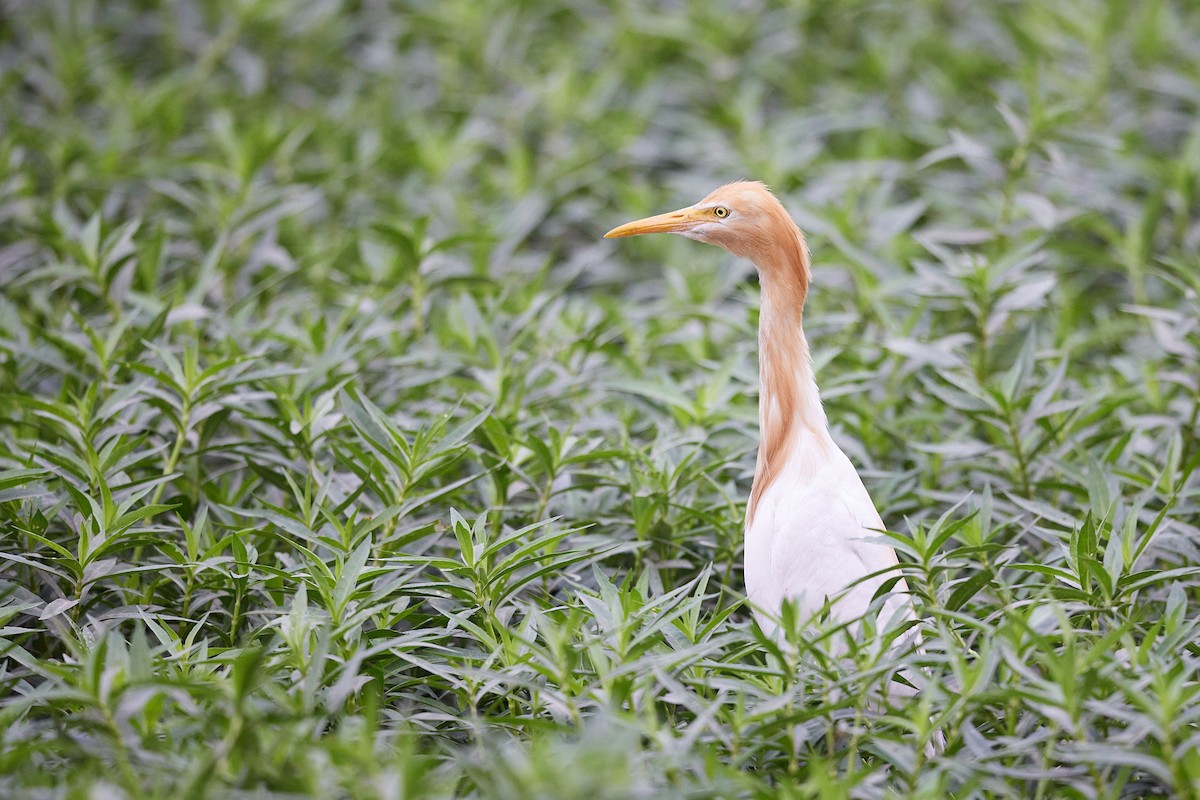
<point x="811" y="528"/>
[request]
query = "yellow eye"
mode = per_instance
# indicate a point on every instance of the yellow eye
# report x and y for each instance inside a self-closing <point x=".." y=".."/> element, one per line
<point x="721" y="211"/>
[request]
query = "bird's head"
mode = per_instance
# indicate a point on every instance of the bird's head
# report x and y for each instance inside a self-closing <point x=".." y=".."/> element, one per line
<point x="742" y="217"/>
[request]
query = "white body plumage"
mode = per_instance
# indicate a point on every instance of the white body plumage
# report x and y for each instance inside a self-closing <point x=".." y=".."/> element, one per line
<point x="814" y="537"/>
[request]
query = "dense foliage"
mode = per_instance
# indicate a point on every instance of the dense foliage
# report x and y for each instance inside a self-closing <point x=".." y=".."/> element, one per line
<point x="341" y="457"/>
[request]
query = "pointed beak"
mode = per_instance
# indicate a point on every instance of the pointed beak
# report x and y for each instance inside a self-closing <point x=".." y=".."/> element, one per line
<point x="671" y="222"/>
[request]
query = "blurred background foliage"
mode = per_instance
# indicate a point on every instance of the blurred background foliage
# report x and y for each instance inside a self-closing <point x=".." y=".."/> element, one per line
<point x="341" y="457"/>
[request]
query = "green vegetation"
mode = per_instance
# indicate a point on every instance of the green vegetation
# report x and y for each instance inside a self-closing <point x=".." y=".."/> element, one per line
<point x="341" y="457"/>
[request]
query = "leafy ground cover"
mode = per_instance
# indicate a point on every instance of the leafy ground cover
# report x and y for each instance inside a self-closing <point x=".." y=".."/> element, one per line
<point x="340" y="457"/>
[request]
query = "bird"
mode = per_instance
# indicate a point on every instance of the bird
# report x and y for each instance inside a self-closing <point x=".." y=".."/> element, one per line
<point x="812" y="532"/>
<point x="811" y="527"/>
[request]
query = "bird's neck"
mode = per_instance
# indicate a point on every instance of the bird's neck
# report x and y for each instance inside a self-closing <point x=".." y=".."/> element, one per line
<point x="789" y="407"/>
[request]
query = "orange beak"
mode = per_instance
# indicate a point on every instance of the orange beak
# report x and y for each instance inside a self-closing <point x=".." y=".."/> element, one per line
<point x="671" y="222"/>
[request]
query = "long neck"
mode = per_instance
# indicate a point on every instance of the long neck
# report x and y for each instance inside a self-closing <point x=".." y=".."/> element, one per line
<point x="788" y="402"/>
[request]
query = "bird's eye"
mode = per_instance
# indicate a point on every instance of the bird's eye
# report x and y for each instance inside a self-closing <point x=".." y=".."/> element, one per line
<point x="721" y="211"/>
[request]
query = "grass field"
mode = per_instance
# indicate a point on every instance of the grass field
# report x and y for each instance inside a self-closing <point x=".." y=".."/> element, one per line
<point x="341" y="457"/>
